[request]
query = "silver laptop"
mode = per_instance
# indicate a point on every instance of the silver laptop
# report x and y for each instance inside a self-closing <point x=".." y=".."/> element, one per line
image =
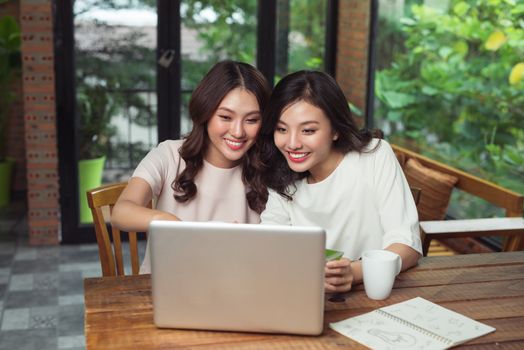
<point x="237" y="277"/>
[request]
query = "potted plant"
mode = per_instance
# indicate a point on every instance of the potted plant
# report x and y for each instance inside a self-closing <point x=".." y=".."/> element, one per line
<point x="96" y="107"/>
<point x="10" y="64"/>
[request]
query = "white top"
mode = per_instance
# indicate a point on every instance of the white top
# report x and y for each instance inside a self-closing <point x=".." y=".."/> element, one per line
<point x="365" y="203"/>
<point x="221" y="194"/>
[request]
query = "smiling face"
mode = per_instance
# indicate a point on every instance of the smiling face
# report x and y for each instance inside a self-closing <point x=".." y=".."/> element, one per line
<point x="305" y="137"/>
<point x="233" y="128"/>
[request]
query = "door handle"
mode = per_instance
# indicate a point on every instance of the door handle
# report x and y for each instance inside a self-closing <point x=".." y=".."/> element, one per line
<point x="166" y="58"/>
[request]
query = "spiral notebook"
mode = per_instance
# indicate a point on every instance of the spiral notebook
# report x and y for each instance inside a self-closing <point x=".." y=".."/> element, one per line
<point x="413" y="324"/>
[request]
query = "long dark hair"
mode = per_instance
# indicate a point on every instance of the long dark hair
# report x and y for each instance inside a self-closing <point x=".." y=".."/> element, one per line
<point x="218" y="82"/>
<point x="322" y="91"/>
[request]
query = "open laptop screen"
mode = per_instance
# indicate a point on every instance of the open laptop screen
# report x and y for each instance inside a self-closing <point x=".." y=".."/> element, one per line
<point x="238" y="277"/>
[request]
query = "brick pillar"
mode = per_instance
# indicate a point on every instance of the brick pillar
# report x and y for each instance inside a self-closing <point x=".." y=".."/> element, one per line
<point x="40" y="122"/>
<point x="15" y="123"/>
<point x="352" y="52"/>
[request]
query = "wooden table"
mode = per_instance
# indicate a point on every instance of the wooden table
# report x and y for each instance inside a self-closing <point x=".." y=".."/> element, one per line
<point x="485" y="287"/>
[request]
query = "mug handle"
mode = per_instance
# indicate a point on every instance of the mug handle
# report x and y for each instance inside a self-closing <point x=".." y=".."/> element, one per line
<point x="399" y="264"/>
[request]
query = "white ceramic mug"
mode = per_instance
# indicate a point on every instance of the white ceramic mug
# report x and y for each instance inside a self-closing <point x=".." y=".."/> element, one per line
<point x="379" y="268"/>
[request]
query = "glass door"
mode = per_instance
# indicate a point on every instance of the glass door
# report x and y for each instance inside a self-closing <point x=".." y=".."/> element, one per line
<point x="115" y="74"/>
<point x="212" y="31"/>
<point x="107" y="100"/>
<point x="300" y="36"/>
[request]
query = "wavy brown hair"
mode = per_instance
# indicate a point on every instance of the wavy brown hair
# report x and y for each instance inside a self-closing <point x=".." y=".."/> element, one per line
<point x="322" y="91"/>
<point x="216" y="84"/>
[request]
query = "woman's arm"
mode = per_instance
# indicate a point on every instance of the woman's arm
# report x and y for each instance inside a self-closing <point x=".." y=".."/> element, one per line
<point x="342" y="274"/>
<point x="131" y="213"/>
<point x="408" y="255"/>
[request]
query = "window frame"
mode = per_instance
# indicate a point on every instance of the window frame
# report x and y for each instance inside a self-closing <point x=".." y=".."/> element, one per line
<point x="168" y="90"/>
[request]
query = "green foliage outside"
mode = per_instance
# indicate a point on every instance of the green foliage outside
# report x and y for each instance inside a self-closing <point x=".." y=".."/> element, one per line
<point x="10" y="64"/>
<point x="228" y="32"/>
<point x="308" y="17"/>
<point x="231" y="33"/>
<point x="448" y="91"/>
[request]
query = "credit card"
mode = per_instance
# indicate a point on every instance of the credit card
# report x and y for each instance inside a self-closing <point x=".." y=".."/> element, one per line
<point x="332" y="254"/>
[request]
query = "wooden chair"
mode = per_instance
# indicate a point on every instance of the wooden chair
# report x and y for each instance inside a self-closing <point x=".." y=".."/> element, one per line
<point x="511" y="227"/>
<point x="111" y="259"/>
<point x="415" y="191"/>
<point x="442" y="229"/>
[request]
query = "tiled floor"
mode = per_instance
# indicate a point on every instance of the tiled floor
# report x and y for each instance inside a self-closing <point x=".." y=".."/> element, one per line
<point x="41" y="288"/>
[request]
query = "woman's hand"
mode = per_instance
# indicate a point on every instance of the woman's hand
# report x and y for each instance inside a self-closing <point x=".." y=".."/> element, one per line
<point x="338" y="276"/>
<point x="131" y="212"/>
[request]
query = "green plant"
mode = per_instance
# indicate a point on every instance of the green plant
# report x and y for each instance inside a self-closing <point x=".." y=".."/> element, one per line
<point x="96" y="107"/>
<point x="10" y="64"/>
<point x="454" y="90"/>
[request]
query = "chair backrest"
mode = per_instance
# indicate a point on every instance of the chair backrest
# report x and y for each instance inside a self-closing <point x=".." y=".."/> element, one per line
<point x="101" y="199"/>
<point x="415" y="191"/>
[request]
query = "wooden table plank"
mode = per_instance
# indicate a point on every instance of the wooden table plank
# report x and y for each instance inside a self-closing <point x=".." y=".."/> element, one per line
<point x="456" y="276"/>
<point x="508" y="329"/>
<point x="476" y="309"/>
<point x="506" y="345"/>
<point x="489" y="291"/>
<point x="470" y="260"/>
<point x="489" y="288"/>
<point x="356" y="302"/>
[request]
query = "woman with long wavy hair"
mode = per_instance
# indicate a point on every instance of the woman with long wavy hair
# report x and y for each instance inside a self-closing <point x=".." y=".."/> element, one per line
<point x="207" y="176"/>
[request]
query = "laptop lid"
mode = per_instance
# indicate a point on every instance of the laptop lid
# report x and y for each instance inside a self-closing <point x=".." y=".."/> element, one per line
<point x="237" y="277"/>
